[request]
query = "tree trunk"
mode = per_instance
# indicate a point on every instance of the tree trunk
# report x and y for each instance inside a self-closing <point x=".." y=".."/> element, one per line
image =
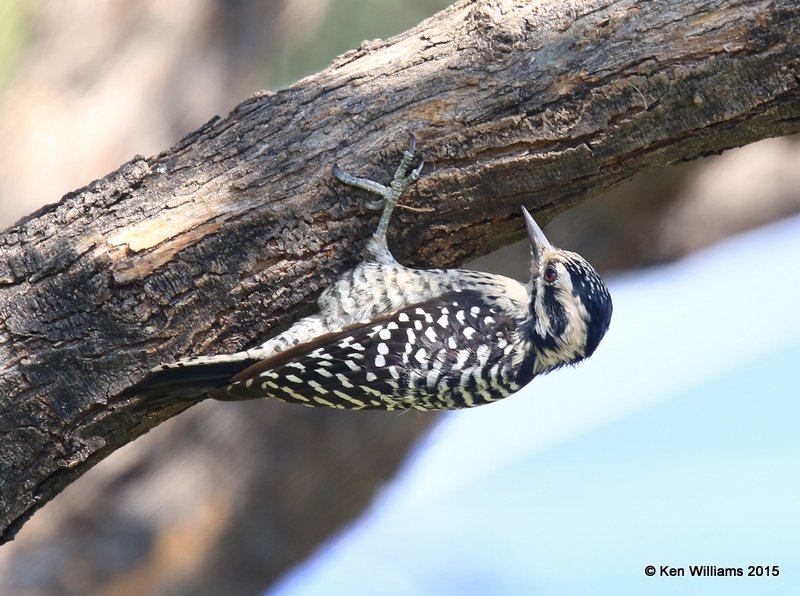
<point x="224" y="239"/>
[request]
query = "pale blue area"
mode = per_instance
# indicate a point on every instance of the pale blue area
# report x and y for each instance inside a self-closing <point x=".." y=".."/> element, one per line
<point x="676" y="444"/>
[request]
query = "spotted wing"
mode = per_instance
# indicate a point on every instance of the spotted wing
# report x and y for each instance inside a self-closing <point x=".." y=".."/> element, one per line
<point x="440" y="354"/>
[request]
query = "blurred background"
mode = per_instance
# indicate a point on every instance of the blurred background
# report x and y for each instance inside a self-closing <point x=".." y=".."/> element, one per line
<point x="672" y="446"/>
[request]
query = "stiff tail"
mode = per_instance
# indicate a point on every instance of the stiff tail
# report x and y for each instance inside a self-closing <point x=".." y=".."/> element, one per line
<point x="187" y="380"/>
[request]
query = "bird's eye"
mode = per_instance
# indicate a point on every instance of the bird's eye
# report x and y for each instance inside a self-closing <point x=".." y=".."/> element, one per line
<point x="550" y="274"/>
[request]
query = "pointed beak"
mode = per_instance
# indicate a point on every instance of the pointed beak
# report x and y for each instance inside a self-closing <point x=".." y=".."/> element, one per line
<point x="539" y="242"/>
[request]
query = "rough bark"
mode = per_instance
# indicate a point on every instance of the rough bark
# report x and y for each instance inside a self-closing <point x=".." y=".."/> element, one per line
<point x="226" y="237"/>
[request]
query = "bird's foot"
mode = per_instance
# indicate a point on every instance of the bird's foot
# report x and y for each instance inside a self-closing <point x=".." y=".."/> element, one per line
<point x="404" y="177"/>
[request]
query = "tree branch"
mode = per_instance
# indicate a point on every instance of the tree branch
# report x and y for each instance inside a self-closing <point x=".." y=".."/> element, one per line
<point x="225" y="238"/>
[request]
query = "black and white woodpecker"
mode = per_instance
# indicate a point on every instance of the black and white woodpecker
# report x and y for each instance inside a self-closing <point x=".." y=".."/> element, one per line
<point x="390" y="337"/>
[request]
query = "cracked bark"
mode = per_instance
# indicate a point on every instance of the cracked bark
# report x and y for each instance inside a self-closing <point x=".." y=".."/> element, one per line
<point x="225" y="238"/>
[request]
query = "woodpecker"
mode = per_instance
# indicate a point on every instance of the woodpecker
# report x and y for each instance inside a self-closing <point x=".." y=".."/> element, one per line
<point x="393" y="338"/>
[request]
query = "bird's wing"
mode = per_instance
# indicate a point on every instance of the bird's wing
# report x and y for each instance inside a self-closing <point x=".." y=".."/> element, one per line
<point x="386" y="363"/>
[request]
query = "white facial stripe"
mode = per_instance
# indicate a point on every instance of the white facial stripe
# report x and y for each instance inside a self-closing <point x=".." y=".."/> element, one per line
<point x="572" y="341"/>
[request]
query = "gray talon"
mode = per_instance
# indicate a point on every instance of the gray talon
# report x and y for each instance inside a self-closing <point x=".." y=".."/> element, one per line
<point x="414" y="175"/>
<point x="374" y="205"/>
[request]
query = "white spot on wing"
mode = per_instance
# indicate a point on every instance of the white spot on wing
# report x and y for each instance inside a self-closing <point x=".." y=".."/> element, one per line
<point x="344" y="381"/>
<point x="432" y="378"/>
<point x="317" y="387"/>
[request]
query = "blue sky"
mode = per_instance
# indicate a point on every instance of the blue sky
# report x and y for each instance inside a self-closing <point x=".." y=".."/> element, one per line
<point x="676" y="444"/>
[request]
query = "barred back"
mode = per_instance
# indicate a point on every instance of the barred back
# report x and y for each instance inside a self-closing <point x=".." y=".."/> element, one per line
<point x="454" y="351"/>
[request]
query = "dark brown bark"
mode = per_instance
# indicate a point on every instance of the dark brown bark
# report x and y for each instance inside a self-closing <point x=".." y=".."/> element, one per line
<point x="228" y="236"/>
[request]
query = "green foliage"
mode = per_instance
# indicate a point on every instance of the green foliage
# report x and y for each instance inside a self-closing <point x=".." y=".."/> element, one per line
<point x="13" y="33"/>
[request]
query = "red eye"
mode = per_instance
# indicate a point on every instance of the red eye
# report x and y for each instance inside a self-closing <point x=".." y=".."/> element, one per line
<point x="550" y="274"/>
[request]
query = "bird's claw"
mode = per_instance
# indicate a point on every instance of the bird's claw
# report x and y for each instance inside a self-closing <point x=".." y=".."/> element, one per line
<point x="405" y="175"/>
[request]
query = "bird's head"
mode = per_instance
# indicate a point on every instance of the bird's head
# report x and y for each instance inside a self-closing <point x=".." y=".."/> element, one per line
<point x="570" y="307"/>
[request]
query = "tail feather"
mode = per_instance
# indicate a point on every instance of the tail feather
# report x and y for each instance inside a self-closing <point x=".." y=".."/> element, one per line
<point x="187" y="380"/>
